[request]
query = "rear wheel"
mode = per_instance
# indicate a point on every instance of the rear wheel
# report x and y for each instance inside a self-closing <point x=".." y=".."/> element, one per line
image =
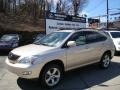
<point x="105" y="61"/>
<point x="51" y="75"/>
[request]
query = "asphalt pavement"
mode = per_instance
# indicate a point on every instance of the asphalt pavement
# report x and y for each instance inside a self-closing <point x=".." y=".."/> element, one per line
<point x="89" y="77"/>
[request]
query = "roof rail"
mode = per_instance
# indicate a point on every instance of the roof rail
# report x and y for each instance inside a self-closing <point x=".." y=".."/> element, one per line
<point x="76" y="28"/>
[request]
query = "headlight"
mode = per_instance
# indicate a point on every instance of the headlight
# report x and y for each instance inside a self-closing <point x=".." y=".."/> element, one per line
<point x="29" y="60"/>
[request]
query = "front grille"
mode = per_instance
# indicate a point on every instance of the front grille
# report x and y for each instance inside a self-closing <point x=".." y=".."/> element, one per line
<point x="13" y="57"/>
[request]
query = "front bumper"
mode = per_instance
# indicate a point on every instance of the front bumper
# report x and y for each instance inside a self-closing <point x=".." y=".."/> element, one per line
<point x="23" y="70"/>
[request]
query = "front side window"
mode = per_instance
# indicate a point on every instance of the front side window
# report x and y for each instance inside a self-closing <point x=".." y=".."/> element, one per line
<point x="54" y="39"/>
<point x="115" y="34"/>
<point x="79" y="38"/>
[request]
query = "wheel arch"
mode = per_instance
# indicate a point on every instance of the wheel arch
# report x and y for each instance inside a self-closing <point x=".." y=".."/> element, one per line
<point x="108" y="52"/>
<point x="56" y="61"/>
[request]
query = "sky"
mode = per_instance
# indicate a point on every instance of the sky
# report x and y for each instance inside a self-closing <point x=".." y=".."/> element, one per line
<point x="98" y="7"/>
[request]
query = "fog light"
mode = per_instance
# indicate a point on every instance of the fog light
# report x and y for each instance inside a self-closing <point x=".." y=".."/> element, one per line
<point x="26" y="73"/>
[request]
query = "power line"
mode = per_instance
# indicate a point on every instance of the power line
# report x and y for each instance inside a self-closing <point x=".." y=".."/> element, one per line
<point x="114" y="9"/>
<point x="112" y="14"/>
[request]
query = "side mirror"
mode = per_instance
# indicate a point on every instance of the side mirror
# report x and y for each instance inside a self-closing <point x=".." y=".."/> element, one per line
<point x="71" y="44"/>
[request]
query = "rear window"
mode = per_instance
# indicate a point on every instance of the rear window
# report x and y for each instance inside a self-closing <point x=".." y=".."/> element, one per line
<point x="115" y="34"/>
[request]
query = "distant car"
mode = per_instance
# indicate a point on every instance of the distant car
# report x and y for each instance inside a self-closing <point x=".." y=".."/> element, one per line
<point x="9" y="41"/>
<point x="115" y="36"/>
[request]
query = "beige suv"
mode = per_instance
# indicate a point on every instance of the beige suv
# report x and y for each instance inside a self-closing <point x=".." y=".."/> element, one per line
<point x="48" y="58"/>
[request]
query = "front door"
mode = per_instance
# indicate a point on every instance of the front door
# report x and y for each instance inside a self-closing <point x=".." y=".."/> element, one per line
<point x="77" y="55"/>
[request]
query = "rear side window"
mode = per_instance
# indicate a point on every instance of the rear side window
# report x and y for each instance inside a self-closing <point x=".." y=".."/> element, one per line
<point x="93" y="37"/>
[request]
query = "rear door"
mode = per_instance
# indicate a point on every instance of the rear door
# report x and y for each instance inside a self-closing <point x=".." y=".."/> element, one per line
<point x="95" y="44"/>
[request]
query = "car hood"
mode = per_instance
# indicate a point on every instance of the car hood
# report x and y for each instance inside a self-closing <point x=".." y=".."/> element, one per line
<point x="31" y="49"/>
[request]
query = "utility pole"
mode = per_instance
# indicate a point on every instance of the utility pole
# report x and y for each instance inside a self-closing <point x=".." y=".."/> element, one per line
<point x="107" y="14"/>
<point x="99" y="22"/>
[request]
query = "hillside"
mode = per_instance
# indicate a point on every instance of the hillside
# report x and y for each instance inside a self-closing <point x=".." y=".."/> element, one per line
<point x="20" y="23"/>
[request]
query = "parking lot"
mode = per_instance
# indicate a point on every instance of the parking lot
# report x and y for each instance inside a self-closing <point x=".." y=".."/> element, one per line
<point x="89" y="77"/>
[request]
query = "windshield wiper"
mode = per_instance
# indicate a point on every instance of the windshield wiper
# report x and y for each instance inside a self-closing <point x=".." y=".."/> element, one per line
<point x="44" y="44"/>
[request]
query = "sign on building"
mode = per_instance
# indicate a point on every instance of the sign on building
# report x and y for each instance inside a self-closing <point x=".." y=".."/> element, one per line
<point x="56" y="22"/>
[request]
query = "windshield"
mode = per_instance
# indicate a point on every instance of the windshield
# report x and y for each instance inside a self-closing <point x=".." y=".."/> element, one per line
<point x="38" y="37"/>
<point x="53" y="39"/>
<point x="115" y="34"/>
<point x="6" y="38"/>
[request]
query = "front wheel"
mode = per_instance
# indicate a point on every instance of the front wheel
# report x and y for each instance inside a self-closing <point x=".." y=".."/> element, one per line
<point x="105" y="61"/>
<point x="51" y="76"/>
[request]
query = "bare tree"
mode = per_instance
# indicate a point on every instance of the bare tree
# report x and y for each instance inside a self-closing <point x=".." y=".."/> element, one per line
<point x="66" y="7"/>
<point x="58" y="6"/>
<point x="70" y="7"/>
<point x="33" y="10"/>
<point x="48" y="5"/>
<point x="63" y="7"/>
<point x="78" y="5"/>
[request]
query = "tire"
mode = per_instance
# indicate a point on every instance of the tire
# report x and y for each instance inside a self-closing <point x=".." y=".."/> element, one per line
<point x="50" y="76"/>
<point x="105" y="61"/>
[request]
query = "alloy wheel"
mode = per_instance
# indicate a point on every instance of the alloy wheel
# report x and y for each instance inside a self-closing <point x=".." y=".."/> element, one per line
<point x="52" y="76"/>
<point x="106" y="61"/>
